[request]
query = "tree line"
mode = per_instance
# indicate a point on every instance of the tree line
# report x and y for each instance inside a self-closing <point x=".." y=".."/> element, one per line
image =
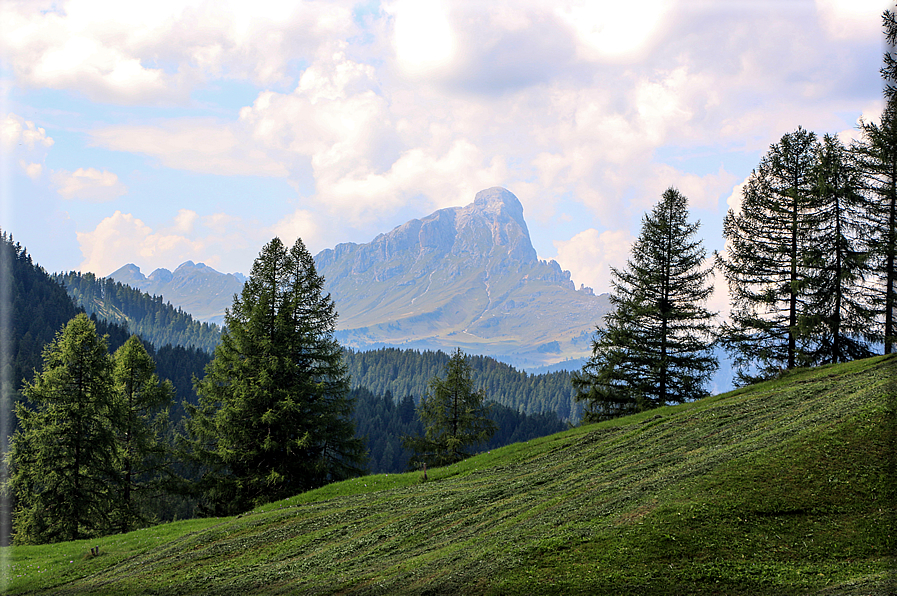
<point x="809" y="262"/>
<point x="385" y="422"/>
<point x="408" y="372"/>
<point x="151" y="318"/>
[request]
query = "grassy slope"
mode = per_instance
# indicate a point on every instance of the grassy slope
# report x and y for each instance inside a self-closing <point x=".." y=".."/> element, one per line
<point x="785" y="487"/>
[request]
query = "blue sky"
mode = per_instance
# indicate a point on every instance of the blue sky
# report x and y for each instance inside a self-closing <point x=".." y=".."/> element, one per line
<point x="172" y="131"/>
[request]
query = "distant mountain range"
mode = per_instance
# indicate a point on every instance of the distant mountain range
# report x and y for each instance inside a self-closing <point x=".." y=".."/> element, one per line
<point x="194" y="287"/>
<point x="464" y="277"/>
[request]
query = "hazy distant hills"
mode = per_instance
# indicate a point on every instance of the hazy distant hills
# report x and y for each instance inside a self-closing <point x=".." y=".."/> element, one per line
<point x="196" y="288"/>
<point x="464" y="277"/>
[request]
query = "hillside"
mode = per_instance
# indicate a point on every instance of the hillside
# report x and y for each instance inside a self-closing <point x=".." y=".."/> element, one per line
<point x="780" y="488"/>
<point x="153" y="319"/>
<point x="408" y="372"/>
<point x="39" y="307"/>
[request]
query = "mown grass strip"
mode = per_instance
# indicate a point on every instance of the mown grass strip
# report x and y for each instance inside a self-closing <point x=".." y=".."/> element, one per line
<point x="785" y="487"/>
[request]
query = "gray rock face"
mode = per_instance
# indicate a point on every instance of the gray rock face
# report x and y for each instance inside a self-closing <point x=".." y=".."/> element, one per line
<point x="464" y="277"/>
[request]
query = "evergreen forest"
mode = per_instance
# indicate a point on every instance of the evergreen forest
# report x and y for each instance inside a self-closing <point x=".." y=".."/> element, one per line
<point x="148" y="316"/>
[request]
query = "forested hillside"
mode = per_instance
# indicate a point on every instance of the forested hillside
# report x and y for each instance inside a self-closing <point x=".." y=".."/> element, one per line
<point x="384" y="421"/>
<point x="37" y="309"/>
<point x="407" y="372"/>
<point x="40" y="307"/>
<point x="150" y="317"/>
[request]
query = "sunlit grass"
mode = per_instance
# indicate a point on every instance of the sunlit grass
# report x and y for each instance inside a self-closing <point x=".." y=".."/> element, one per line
<point x="784" y="487"/>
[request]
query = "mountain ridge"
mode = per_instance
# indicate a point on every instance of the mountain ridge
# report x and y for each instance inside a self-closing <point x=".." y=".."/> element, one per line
<point x="197" y="288"/>
<point x="462" y="277"/>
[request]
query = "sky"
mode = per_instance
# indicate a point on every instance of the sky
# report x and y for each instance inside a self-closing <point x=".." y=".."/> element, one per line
<point x="159" y="132"/>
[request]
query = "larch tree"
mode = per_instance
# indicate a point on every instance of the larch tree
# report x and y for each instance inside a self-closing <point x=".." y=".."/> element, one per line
<point x="876" y="155"/>
<point x="273" y="417"/>
<point x="63" y="468"/>
<point x="141" y="421"/>
<point x="838" y="317"/>
<point x="764" y="259"/>
<point x="455" y="417"/>
<point x="655" y="347"/>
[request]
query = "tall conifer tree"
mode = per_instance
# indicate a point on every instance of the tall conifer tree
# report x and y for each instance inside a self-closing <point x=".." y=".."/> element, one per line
<point x="838" y="318"/>
<point x="64" y="468"/>
<point x="274" y="415"/>
<point x="876" y="155"/>
<point x="655" y="347"/>
<point x="455" y="417"/>
<point x="141" y="420"/>
<point x="764" y="260"/>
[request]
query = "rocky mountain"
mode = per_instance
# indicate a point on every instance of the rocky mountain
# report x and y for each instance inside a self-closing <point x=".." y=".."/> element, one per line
<point x="464" y="277"/>
<point x="194" y="287"/>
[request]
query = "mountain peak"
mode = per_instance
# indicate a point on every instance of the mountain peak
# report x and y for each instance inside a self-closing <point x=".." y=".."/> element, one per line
<point x="188" y="265"/>
<point x="130" y="272"/>
<point x="495" y="221"/>
<point x="460" y="277"/>
<point x="496" y="199"/>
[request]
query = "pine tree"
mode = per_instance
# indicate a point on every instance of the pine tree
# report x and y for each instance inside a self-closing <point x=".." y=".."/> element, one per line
<point x="141" y="422"/>
<point x="455" y="417"/>
<point x="274" y="416"/>
<point x="655" y="347"/>
<point x="63" y="465"/>
<point x="764" y="260"/>
<point x="837" y="318"/>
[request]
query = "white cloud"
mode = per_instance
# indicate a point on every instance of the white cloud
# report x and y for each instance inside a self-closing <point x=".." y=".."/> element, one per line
<point x="852" y="19"/>
<point x="122" y="238"/>
<point x="16" y="131"/>
<point x="737" y="195"/>
<point x="299" y="224"/>
<point x="350" y="135"/>
<point x="139" y="53"/>
<point x="610" y="30"/>
<point x="88" y="184"/>
<point x="32" y="170"/>
<point x="185" y="221"/>
<point x="719" y="299"/>
<point x="334" y="118"/>
<point x="199" y="146"/>
<point x="24" y="140"/>
<point x="703" y="192"/>
<point x="374" y="112"/>
<point x="590" y="254"/>
<point x="117" y="240"/>
<point x="423" y="36"/>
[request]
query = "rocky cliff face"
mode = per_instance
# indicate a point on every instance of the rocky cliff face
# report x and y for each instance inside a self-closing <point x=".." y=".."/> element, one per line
<point x="464" y="277"/>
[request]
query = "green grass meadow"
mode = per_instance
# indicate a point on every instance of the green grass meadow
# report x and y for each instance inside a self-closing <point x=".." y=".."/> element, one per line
<point x="786" y="487"/>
